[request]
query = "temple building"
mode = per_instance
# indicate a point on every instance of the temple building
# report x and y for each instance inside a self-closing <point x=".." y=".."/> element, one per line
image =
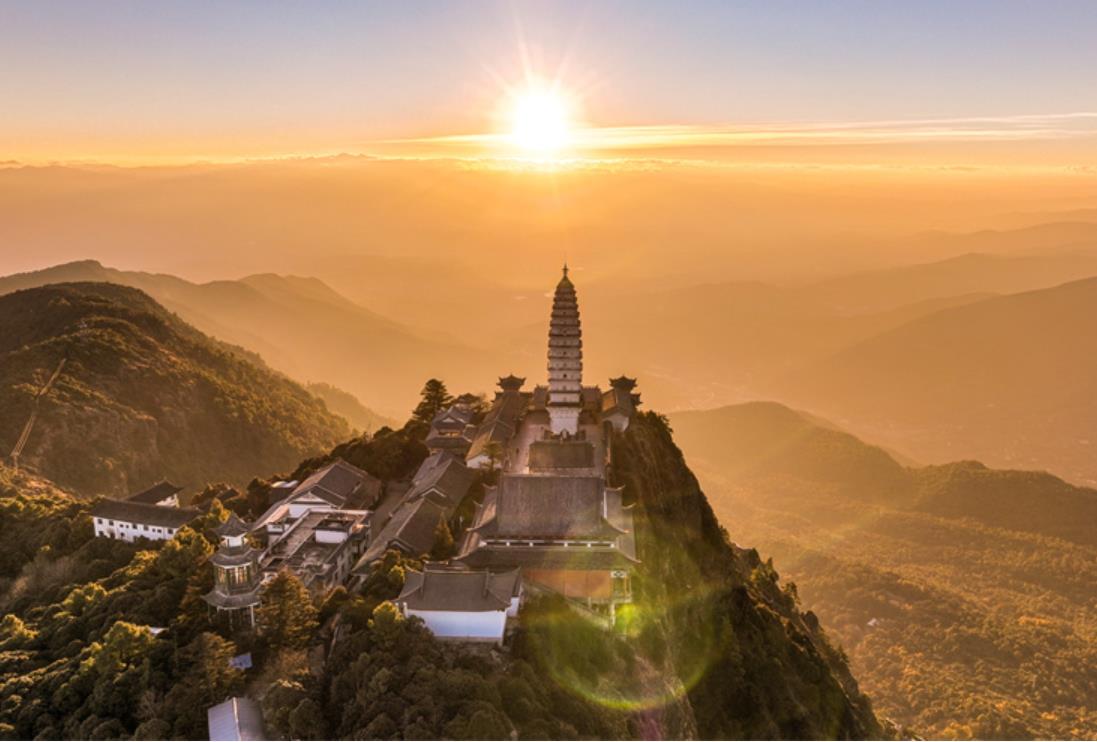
<point x="129" y="520"/>
<point x="452" y="430"/>
<point x="463" y="605"/>
<point x="320" y="548"/>
<point x="435" y="491"/>
<point x="236" y="577"/>
<point x="568" y="534"/>
<point x="337" y="486"/>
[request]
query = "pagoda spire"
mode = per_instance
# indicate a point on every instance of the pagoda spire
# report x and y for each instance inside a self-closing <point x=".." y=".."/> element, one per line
<point x="565" y="359"/>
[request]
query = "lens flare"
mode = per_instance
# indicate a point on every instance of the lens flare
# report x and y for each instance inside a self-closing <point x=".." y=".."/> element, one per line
<point x="643" y="685"/>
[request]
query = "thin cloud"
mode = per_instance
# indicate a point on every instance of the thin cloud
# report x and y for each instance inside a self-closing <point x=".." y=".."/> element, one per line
<point x="670" y="136"/>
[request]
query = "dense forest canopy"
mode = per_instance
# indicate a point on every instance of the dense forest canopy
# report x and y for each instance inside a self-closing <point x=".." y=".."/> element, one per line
<point x="963" y="595"/>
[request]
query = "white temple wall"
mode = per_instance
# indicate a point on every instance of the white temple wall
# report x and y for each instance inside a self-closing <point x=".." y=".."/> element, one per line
<point x="475" y="626"/>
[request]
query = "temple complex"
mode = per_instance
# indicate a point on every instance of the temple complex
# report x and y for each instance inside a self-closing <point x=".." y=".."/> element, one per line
<point x="551" y="513"/>
<point x="548" y="520"/>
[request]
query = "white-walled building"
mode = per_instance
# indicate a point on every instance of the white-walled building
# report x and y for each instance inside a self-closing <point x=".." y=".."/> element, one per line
<point x="463" y="605"/>
<point x="235" y="720"/>
<point x="126" y="520"/>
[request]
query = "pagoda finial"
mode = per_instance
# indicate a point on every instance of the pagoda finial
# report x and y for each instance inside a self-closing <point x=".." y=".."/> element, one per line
<point x="565" y="269"/>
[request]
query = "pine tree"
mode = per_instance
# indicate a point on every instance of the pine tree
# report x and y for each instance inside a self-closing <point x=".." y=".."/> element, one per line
<point x="286" y="617"/>
<point x="444" y="546"/>
<point x="435" y="398"/>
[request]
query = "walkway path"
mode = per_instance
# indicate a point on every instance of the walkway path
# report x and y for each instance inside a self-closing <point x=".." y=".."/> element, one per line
<point x="25" y="435"/>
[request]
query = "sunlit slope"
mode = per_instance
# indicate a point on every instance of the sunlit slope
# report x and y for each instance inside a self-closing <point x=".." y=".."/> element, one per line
<point x="143" y="396"/>
<point x="299" y="326"/>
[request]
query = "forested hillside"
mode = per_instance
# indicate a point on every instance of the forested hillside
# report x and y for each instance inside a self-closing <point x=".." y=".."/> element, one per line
<point x="963" y="595"/>
<point x="300" y="326"/>
<point x="113" y="641"/>
<point x="142" y="395"/>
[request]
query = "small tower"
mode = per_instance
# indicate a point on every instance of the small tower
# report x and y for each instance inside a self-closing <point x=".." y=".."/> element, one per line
<point x="237" y="579"/>
<point x="565" y="359"/>
<point x="620" y="402"/>
<point x="511" y="383"/>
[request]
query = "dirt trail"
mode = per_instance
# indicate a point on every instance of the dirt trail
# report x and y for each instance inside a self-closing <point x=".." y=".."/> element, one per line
<point x="25" y="435"/>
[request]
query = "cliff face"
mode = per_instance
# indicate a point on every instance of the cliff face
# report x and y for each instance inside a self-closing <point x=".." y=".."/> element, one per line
<point x="747" y="662"/>
<point x="143" y="395"/>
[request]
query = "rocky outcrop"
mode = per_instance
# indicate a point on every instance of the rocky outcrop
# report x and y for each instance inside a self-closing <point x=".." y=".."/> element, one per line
<point x="748" y="662"/>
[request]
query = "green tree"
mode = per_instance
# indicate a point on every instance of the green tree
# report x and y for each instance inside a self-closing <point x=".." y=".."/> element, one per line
<point x="386" y="621"/>
<point x="286" y="617"/>
<point x="204" y="678"/>
<point x="487" y="723"/>
<point x="121" y="669"/>
<point x="179" y="556"/>
<point x="14" y="633"/>
<point x="444" y="546"/>
<point x="290" y="711"/>
<point x="435" y="398"/>
<point x="494" y="452"/>
<point x="206" y="670"/>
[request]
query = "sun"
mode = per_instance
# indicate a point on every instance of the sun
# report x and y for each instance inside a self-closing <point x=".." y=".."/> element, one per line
<point x="540" y="120"/>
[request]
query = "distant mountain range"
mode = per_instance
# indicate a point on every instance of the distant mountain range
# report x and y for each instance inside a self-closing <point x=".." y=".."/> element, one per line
<point x="951" y="587"/>
<point x="839" y="346"/>
<point x="143" y="396"/>
<point x="299" y="326"/>
<point x="1011" y="380"/>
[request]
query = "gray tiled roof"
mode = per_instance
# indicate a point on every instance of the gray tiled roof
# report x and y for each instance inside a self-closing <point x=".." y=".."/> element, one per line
<point x="139" y="512"/>
<point x="233" y="526"/>
<point x="453" y="417"/>
<point x="337" y="482"/>
<point x="234" y="556"/>
<point x="444" y="475"/>
<point x="547" y="507"/>
<point x="501" y="421"/>
<point x="235" y="599"/>
<point x="410" y="529"/>
<point x="460" y="590"/>
<point x="155" y="493"/>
